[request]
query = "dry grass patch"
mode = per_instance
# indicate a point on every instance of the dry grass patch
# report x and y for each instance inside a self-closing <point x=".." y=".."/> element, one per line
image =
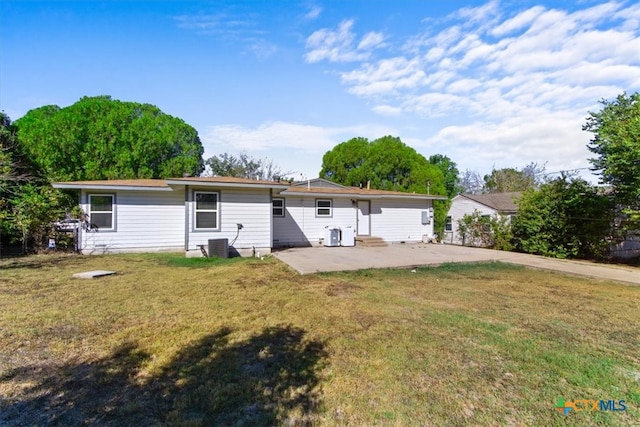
<point x="170" y="340"/>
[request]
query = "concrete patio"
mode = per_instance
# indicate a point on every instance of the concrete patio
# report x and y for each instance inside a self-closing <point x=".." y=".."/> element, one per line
<point x="324" y="259"/>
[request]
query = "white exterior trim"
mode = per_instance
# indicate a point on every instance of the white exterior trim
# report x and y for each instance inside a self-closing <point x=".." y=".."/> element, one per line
<point x="90" y="212"/>
<point x="196" y="211"/>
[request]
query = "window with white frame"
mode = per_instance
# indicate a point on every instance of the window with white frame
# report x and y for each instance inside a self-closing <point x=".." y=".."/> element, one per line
<point x="323" y="207"/>
<point x="278" y="207"/>
<point x="101" y="211"/>
<point x="448" y="225"/>
<point x="206" y="211"/>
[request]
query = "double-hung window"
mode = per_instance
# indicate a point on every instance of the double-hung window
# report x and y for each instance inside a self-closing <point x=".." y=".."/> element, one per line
<point x="448" y="225"/>
<point x="206" y="211"/>
<point x="323" y="207"/>
<point x="278" y="207"/>
<point x="101" y="211"/>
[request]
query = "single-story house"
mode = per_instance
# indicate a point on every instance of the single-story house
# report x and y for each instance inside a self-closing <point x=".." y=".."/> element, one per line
<point x="487" y="204"/>
<point x="175" y="214"/>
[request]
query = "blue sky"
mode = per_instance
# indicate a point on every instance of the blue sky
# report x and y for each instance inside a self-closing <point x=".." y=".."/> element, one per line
<point x="487" y="83"/>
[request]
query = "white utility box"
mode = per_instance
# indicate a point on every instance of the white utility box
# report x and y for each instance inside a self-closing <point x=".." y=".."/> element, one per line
<point x="331" y="236"/>
<point x="348" y="236"/>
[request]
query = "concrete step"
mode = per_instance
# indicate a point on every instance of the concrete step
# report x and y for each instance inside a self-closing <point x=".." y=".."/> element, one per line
<point x="370" y="242"/>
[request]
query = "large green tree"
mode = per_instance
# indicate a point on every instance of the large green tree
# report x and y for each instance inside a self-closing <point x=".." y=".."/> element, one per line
<point x="15" y="167"/>
<point x="103" y="138"/>
<point x="450" y="173"/>
<point x="386" y="164"/>
<point x="616" y="144"/>
<point x="28" y="204"/>
<point x="507" y="180"/>
<point x="564" y="218"/>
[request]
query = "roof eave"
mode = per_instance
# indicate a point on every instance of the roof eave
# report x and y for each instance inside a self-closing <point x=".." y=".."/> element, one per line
<point x="73" y="186"/>
<point x="364" y="196"/>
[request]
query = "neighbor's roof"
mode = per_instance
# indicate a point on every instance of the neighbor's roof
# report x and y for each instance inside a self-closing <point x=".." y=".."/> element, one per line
<point x="356" y="193"/>
<point x="502" y="202"/>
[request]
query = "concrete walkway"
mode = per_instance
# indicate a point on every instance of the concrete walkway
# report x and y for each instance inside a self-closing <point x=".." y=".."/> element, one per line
<point x="322" y="259"/>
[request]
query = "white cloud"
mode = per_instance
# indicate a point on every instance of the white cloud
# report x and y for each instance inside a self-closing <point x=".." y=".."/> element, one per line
<point x="387" y="110"/>
<point x="216" y="24"/>
<point x="518" y="22"/>
<point x="386" y="76"/>
<point x="231" y="28"/>
<point x="480" y="14"/>
<point x="340" y="46"/>
<point x="371" y="40"/>
<point x="262" y="49"/>
<point x="271" y="135"/>
<point x="292" y="146"/>
<point x="556" y="56"/>
<point x="313" y="13"/>
<point x="523" y="81"/>
<point x="515" y="143"/>
<point x="630" y="17"/>
<point x="267" y="136"/>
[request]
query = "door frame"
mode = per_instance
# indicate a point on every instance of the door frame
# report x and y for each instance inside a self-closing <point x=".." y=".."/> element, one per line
<point x="367" y="216"/>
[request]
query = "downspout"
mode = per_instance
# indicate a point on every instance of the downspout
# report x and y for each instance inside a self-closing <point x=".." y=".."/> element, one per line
<point x="80" y="236"/>
<point x="186" y="218"/>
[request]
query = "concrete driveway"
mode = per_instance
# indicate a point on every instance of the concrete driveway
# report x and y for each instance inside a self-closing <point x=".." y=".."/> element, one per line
<point x="322" y="259"/>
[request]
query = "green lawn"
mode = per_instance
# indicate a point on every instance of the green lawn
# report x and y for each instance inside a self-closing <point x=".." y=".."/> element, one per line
<point x="178" y="341"/>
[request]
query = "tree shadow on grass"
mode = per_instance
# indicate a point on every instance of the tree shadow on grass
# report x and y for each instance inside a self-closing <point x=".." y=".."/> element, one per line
<point x="38" y="261"/>
<point x="271" y="378"/>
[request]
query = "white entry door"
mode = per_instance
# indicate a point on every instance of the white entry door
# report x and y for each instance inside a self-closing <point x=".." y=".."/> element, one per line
<point x="364" y="223"/>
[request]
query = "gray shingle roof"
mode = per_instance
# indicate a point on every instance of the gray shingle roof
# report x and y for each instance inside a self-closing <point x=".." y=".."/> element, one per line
<point x="502" y="202"/>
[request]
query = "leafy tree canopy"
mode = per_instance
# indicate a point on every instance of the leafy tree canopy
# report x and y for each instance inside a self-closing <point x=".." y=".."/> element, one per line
<point x="509" y="179"/>
<point x="28" y="204"/>
<point x="450" y="173"/>
<point x="15" y="167"/>
<point x="616" y="144"/>
<point x="564" y="218"/>
<point x="103" y="138"/>
<point x="244" y="166"/>
<point x="386" y="163"/>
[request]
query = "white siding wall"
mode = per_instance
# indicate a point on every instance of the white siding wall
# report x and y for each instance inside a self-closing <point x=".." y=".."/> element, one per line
<point x="144" y="220"/>
<point x="249" y="207"/>
<point x="460" y="206"/>
<point x="400" y="220"/>
<point x="393" y="220"/>
<point x="300" y="226"/>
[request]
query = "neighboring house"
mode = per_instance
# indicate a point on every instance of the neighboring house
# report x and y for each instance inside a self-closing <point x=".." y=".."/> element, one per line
<point x="146" y="215"/>
<point x="628" y="248"/>
<point x="487" y="204"/>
